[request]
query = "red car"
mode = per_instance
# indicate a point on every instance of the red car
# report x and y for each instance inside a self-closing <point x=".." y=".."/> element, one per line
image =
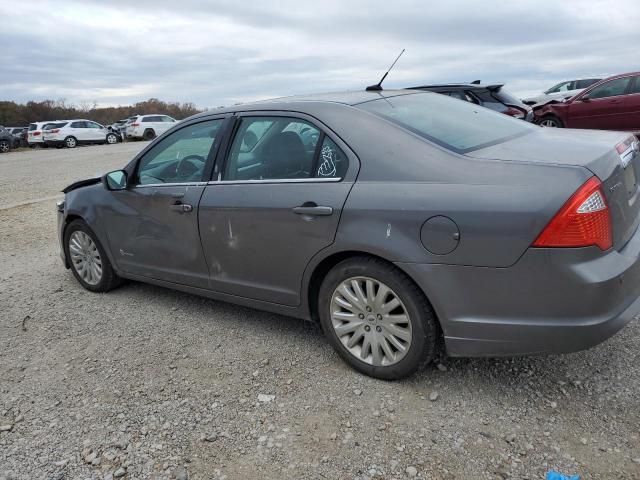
<point x="610" y="104"/>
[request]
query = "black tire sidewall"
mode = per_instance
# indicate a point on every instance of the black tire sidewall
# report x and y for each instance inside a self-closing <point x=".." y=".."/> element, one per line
<point x="423" y="342"/>
<point x="107" y="272"/>
<point x="149" y="135"/>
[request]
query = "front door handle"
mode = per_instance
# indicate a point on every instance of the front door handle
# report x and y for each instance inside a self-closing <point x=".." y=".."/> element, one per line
<point x="314" y="210"/>
<point x="181" y="207"/>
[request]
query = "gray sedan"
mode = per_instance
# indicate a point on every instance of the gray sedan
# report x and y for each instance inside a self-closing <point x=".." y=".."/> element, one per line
<point x="398" y="220"/>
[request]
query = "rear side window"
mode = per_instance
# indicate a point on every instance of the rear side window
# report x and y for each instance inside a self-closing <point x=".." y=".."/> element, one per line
<point x="457" y="126"/>
<point x="272" y="148"/>
<point x="332" y="162"/>
<point x="612" y="88"/>
<point x="78" y="125"/>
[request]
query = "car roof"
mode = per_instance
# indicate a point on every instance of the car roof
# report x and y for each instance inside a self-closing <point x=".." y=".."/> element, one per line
<point x="466" y="86"/>
<point x="342" y="98"/>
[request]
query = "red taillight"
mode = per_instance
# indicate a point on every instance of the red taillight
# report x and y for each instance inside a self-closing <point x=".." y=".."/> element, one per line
<point x="35" y="134"/>
<point x="583" y="220"/>
<point x="135" y="124"/>
<point x="514" y="112"/>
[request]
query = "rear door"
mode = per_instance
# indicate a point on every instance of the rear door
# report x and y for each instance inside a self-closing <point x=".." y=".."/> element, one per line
<point x="152" y="225"/>
<point x="601" y="107"/>
<point x="273" y="205"/>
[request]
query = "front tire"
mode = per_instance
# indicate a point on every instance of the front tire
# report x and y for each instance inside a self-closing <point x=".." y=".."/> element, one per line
<point x="111" y="138"/>
<point x="87" y="258"/>
<point x="551" y="121"/>
<point x="71" y="142"/>
<point x="377" y="319"/>
<point x="4" y="146"/>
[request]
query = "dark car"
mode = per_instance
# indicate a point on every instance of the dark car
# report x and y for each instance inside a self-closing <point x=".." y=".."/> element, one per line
<point x="494" y="97"/>
<point x="7" y="140"/>
<point x="393" y="218"/>
<point x="611" y="104"/>
<point x="20" y="134"/>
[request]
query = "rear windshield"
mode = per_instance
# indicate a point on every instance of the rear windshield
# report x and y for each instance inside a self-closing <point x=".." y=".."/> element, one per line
<point x="32" y="126"/>
<point x="452" y="124"/>
<point x="506" y="98"/>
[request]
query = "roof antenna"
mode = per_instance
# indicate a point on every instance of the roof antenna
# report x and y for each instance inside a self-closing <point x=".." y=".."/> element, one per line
<point x="378" y="87"/>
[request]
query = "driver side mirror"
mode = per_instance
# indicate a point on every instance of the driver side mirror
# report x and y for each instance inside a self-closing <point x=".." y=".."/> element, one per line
<point x="116" y="180"/>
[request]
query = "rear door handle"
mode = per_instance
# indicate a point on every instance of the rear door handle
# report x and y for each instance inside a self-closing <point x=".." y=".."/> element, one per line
<point x="313" y="210"/>
<point x="181" y="207"/>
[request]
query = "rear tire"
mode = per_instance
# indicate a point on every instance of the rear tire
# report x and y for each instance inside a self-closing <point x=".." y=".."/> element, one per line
<point x="388" y="314"/>
<point x="149" y="135"/>
<point x="551" y="121"/>
<point x="71" y="142"/>
<point x="4" y="146"/>
<point x="88" y="259"/>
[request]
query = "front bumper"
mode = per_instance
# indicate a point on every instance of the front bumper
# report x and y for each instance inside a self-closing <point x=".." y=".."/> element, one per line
<point x="551" y="301"/>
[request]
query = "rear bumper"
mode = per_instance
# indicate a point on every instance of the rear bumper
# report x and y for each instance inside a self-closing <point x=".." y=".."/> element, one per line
<point x="550" y="301"/>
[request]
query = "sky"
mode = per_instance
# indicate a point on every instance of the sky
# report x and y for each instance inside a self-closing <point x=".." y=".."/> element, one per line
<point x="215" y="53"/>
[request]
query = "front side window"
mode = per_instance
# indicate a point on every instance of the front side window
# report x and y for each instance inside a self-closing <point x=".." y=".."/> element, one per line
<point x="93" y="125"/>
<point x="561" y="87"/>
<point x="457" y="126"/>
<point x="167" y="119"/>
<point x="267" y="148"/>
<point x="611" y="88"/>
<point x="181" y="156"/>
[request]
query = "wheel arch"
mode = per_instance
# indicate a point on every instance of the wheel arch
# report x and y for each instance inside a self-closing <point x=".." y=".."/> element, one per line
<point x="322" y="268"/>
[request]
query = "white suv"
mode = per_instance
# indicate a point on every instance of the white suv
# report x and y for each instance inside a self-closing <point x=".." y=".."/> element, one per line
<point x="34" y="133"/>
<point x="149" y="126"/>
<point x="71" y="133"/>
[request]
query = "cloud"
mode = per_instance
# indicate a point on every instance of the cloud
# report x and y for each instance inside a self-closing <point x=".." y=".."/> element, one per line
<point x="222" y="52"/>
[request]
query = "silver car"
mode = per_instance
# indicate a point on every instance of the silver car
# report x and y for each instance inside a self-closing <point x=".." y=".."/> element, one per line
<point x="396" y="219"/>
<point x="561" y="90"/>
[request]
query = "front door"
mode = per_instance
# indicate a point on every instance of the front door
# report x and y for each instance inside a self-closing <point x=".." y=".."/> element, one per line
<point x="153" y="224"/>
<point x="600" y="108"/>
<point x="276" y="204"/>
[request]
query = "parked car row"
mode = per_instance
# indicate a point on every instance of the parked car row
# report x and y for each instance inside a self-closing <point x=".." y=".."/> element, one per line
<point x="8" y="139"/>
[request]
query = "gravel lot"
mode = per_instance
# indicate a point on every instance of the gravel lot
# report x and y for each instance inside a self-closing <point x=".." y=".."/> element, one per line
<point x="145" y="382"/>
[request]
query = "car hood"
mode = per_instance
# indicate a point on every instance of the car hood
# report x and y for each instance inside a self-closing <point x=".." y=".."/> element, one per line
<point x="552" y="146"/>
<point x="81" y="183"/>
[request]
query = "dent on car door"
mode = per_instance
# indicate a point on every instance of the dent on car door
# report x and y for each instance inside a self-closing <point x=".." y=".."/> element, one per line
<point x="276" y="204"/>
<point x="153" y="224"/>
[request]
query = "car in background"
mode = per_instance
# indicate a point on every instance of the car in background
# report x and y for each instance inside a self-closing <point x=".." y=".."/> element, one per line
<point x="562" y="90"/>
<point x="72" y="133"/>
<point x="7" y="140"/>
<point x="118" y="127"/>
<point x="34" y="134"/>
<point x="19" y="133"/>
<point x="149" y="127"/>
<point x="374" y="226"/>
<point x="494" y="97"/>
<point x="611" y="104"/>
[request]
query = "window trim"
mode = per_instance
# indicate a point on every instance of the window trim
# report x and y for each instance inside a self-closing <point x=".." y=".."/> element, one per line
<point x="209" y="161"/>
<point x="626" y="90"/>
<point x="221" y="162"/>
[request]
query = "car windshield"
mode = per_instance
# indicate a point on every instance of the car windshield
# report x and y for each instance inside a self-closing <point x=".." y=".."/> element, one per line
<point x="455" y="125"/>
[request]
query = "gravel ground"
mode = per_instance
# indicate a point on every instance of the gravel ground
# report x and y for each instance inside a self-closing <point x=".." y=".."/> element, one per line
<point x="145" y="382"/>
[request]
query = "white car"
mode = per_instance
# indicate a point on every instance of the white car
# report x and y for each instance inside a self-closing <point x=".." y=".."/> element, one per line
<point x="565" y="89"/>
<point x="149" y="126"/>
<point x="71" y="133"/>
<point x="34" y="133"/>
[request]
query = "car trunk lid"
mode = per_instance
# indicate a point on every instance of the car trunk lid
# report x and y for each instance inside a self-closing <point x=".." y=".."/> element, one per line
<point x="612" y="156"/>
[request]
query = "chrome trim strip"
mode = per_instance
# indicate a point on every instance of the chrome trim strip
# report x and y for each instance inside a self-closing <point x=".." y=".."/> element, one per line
<point x="183" y="184"/>
<point x="284" y="180"/>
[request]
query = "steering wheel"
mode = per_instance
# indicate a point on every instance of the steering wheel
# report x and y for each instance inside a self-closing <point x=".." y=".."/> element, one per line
<point x="187" y="166"/>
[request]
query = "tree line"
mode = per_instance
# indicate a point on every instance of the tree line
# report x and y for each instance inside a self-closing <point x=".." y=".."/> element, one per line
<point x="14" y="114"/>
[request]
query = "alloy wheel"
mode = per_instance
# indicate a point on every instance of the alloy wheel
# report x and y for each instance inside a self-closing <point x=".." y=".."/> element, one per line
<point x="111" y="138"/>
<point x="4" y="146"/>
<point x="371" y="321"/>
<point x="71" y="142"/>
<point x="85" y="257"/>
<point x="549" y="123"/>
